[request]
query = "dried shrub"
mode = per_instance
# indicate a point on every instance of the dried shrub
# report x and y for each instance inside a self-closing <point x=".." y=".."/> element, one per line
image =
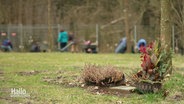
<point x="102" y="75"/>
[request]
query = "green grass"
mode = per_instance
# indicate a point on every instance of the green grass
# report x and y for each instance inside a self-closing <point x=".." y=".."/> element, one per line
<point x="72" y="64"/>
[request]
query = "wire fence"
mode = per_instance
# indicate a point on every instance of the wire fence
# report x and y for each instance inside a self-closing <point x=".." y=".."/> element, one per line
<point x="106" y="38"/>
<point x="110" y="36"/>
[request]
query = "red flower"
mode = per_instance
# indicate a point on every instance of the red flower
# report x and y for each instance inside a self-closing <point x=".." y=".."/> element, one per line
<point x="143" y="50"/>
<point x="145" y="57"/>
<point x="151" y="45"/>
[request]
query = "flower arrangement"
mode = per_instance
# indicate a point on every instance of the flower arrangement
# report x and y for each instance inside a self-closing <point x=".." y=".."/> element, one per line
<point x="156" y="64"/>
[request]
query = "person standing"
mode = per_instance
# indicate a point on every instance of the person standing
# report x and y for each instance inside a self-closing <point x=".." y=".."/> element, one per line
<point x="62" y="40"/>
<point x="73" y="41"/>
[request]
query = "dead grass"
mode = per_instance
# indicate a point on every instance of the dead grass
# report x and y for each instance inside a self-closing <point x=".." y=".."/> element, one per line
<point x="102" y="75"/>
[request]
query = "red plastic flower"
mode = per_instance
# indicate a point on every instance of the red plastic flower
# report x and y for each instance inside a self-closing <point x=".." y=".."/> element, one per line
<point x="143" y="50"/>
<point x="146" y="58"/>
<point x="151" y="45"/>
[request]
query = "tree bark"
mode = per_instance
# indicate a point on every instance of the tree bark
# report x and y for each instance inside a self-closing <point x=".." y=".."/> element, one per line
<point x="128" y="37"/>
<point x="166" y="28"/>
<point x="50" y="37"/>
<point x="20" y="12"/>
<point x="165" y="23"/>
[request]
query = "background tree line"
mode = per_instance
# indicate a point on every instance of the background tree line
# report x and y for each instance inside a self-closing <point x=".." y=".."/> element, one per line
<point x="77" y="12"/>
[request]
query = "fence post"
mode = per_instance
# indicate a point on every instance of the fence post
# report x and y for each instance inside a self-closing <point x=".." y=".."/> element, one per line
<point x="21" y="38"/>
<point x="8" y="33"/>
<point x="173" y="37"/>
<point x="135" y="34"/>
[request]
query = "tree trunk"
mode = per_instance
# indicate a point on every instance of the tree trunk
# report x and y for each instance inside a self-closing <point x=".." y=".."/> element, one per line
<point x="50" y="37"/>
<point x="166" y="28"/>
<point x="128" y="37"/>
<point x="20" y="12"/>
<point x="165" y="24"/>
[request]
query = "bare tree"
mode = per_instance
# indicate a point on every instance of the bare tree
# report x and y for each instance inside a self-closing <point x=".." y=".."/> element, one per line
<point x="178" y="21"/>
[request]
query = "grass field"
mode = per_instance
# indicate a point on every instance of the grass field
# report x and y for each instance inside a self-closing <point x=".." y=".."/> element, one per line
<point x="69" y="65"/>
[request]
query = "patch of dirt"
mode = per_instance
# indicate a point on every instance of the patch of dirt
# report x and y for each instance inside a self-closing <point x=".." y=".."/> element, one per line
<point x="1" y="75"/>
<point x="1" y="72"/>
<point x="63" y="80"/>
<point x="178" y="96"/>
<point x="60" y="71"/>
<point x="76" y="81"/>
<point x="5" y="97"/>
<point x="73" y="80"/>
<point x="28" y="73"/>
<point x="9" y="100"/>
<point x="106" y="90"/>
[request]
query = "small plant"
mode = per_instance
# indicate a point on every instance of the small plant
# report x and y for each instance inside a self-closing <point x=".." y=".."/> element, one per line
<point x="156" y="64"/>
<point x="102" y="75"/>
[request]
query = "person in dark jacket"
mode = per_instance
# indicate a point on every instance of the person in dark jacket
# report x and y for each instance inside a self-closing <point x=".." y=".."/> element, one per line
<point x="35" y="47"/>
<point x="7" y="45"/>
<point x="72" y="39"/>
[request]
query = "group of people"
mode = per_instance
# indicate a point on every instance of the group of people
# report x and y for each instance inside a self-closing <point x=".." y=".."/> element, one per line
<point x="122" y="46"/>
<point x="66" y="40"/>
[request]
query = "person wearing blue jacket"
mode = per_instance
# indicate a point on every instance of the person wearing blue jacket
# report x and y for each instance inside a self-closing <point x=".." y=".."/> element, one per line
<point x="7" y="45"/>
<point x="121" y="46"/>
<point x="141" y="43"/>
<point x="62" y="39"/>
